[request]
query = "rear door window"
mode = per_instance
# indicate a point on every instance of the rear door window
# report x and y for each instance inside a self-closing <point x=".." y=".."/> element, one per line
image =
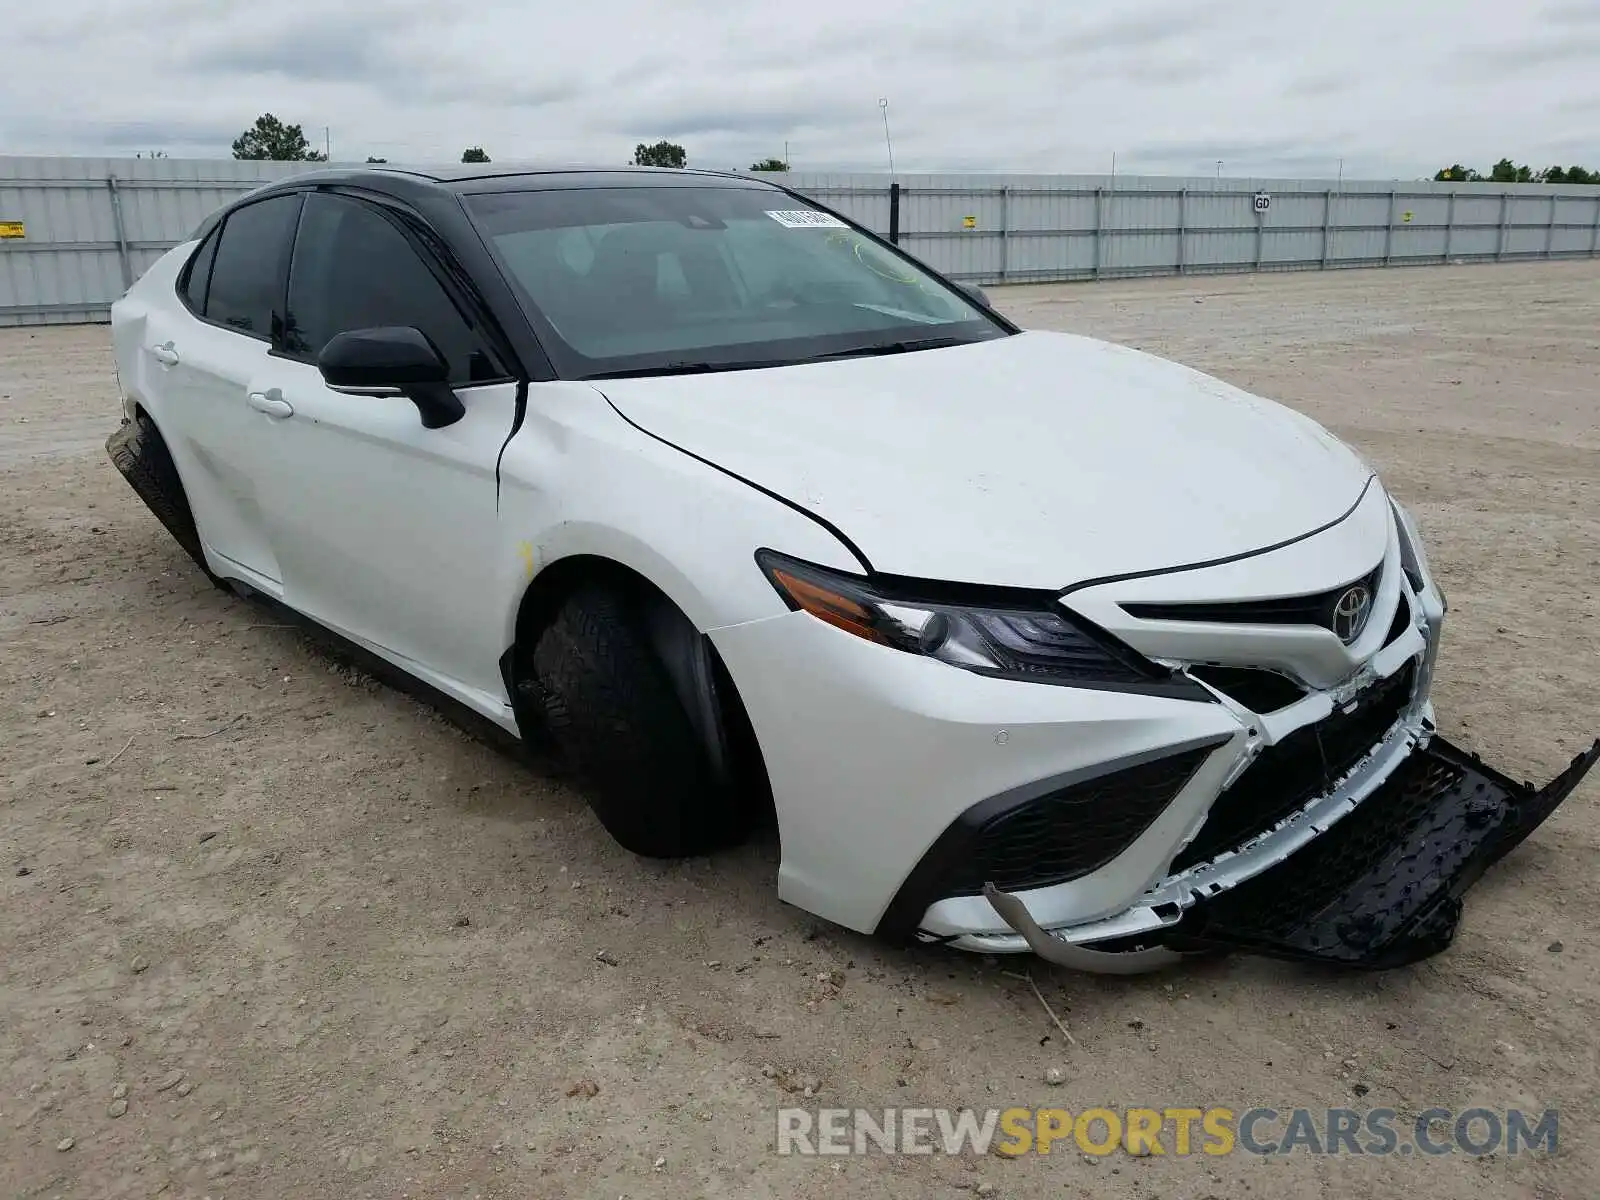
<point x="247" y="278"/>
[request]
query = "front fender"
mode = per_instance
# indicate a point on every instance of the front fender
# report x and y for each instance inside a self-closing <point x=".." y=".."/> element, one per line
<point x="579" y="480"/>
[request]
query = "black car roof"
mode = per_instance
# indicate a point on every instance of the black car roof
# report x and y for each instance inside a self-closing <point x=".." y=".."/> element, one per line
<point x="436" y="190"/>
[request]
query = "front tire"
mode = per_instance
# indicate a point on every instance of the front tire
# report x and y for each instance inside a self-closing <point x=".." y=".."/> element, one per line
<point x="611" y="708"/>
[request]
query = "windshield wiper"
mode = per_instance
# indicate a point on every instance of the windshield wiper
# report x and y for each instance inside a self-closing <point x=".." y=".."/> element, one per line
<point x="686" y="367"/>
<point x="690" y="368"/>
<point x="905" y="347"/>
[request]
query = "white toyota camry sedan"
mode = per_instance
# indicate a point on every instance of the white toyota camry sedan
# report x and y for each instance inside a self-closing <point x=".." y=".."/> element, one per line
<point x="1023" y="640"/>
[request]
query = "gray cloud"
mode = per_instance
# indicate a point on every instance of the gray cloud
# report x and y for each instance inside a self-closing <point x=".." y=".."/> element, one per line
<point x="1142" y="30"/>
<point x="1585" y="145"/>
<point x="1024" y="86"/>
<point x="1579" y="12"/>
<point x="368" y="50"/>
<point x="1020" y="35"/>
<point x="1322" y="83"/>
<point x="1544" y="52"/>
<point x="342" y="53"/>
<point x="767" y="124"/>
<point x="128" y="137"/>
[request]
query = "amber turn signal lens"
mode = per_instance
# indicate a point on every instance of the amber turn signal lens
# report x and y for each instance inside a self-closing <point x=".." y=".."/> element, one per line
<point x="829" y="606"/>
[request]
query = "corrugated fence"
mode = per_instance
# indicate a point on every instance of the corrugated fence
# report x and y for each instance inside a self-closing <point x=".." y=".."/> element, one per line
<point x="75" y="232"/>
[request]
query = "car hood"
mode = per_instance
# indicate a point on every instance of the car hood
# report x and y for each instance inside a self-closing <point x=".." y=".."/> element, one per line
<point x="1037" y="460"/>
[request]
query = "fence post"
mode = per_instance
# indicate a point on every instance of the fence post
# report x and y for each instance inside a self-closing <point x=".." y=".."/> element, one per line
<point x="1505" y="228"/>
<point x="1261" y="221"/>
<point x="1550" y="229"/>
<point x="1327" y="224"/>
<point x="894" y="213"/>
<point x="1183" y="228"/>
<point x="1005" y="228"/>
<point x="1388" y="230"/>
<point x="1594" y="237"/>
<point x="1099" y="224"/>
<point x="1449" y="223"/>
<point x="121" y="231"/>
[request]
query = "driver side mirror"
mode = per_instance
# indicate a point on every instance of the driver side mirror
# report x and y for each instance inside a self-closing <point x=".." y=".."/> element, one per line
<point x="976" y="294"/>
<point x="392" y="360"/>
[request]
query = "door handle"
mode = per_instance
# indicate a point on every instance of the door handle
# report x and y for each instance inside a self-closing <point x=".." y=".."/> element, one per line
<point x="165" y="354"/>
<point x="270" y="402"/>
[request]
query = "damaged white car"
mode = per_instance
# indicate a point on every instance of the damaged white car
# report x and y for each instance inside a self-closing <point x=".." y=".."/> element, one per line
<point x="1025" y="640"/>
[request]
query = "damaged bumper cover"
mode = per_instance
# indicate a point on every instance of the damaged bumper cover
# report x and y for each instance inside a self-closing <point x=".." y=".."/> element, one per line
<point x="1380" y="888"/>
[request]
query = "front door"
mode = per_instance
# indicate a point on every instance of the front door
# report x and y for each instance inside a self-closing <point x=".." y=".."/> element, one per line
<point x="383" y="530"/>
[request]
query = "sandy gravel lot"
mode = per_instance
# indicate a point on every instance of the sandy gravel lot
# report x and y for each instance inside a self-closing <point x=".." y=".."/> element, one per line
<point x="368" y="941"/>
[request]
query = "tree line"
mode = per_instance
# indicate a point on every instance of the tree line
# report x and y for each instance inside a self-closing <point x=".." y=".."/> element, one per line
<point x="276" y="140"/>
<point x="271" y="138"/>
<point x="670" y="154"/>
<point x="1506" y="171"/>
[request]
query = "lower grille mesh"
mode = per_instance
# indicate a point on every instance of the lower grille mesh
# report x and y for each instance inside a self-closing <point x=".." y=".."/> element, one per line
<point x="1068" y="833"/>
<point x="1302" y="766"/>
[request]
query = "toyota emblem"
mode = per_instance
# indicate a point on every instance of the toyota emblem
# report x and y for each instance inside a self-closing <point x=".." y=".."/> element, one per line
<point x="1351" y="611"/>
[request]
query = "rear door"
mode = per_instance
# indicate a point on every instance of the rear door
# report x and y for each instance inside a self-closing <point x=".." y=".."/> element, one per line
<point x="385" y="531"/>
<point x="208" y="353"/>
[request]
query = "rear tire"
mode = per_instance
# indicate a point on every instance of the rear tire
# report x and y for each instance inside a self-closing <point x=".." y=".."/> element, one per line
<point x="138" y="450"/>
<point x="611" y="709"/>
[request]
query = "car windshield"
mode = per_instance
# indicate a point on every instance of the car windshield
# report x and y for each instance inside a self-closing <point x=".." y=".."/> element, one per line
<point x="677" y="279"/>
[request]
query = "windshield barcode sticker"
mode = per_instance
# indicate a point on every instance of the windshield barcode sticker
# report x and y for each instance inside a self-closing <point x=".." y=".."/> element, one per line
<point x="805" y="218"/>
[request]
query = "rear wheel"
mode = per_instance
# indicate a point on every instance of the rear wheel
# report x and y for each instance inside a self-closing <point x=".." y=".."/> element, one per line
<point x="611" y="708"/>
<point x="138" y="450"/>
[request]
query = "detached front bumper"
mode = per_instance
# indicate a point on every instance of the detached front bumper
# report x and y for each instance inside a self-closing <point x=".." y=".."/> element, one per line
<point x="1382" y="888"/>
<point x="1112" y="830"/>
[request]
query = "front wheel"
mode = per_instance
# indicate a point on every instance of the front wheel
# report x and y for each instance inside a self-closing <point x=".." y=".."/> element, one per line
<point x="612" y="711"/>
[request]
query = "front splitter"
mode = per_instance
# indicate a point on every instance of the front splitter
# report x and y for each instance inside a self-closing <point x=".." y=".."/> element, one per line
<point x="1381" y="888"/>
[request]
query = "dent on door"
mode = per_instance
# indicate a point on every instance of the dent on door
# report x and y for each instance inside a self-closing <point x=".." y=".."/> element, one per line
<point x="216" y="440"/>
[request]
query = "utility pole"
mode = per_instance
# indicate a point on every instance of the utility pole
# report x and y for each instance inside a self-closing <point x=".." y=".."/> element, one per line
<point x="327" y="143"/>
<point x="883" y="103"/>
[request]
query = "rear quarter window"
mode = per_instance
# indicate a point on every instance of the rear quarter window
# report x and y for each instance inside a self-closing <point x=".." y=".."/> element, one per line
<point x="196" y="277"/>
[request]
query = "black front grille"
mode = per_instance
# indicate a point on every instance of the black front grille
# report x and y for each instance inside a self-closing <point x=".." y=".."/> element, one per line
<point x="1315" y="609"/>
<point x="1259" y="690"/>
<point x="1307" y="763"/>
<point x="1068" y="833"/>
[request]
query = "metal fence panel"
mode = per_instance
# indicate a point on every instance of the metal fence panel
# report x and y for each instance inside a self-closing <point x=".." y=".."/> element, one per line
<point x="93" y="225"/>
<point x="867" y="208"/>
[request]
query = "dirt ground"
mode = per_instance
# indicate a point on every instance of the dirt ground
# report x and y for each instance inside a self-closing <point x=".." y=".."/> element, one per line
<point x="369" y="942"/>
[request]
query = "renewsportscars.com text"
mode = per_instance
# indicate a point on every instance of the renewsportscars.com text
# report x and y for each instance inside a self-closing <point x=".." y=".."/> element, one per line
<point x="1175" y="1131"/>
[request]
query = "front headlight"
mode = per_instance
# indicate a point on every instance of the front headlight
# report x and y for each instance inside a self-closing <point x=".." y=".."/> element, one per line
<point x="1012" y="635"/>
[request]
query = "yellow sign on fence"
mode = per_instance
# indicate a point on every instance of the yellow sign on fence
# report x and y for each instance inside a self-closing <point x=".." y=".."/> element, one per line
<point x="12" y="229"/>
<point x="969" y="222"/>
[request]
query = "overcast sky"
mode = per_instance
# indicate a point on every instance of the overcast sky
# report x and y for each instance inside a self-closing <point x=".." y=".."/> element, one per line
<point x="1271" y="87"/>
